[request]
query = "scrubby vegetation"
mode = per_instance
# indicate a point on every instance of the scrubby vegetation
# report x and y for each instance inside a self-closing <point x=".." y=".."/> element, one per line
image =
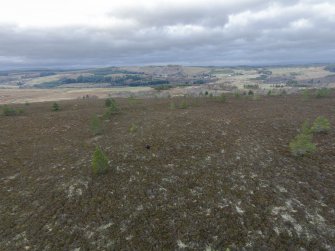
<point x="306" y="94"/>
<point x="222" y="98"/>
<point x="111" y="103"/>
<point x="179" y="104"/>
<point x="112" y="109"/>
<point x="306" y="128"/>
<point x="133" y="128"/>
<point x="132" y="100"/>
<point x="163" y="87"/>
<point x="283" y="92"/>
<point x="172" y="105"/>
<point x="292" y="82"/>
<point x="55" y="107"/>
<point x="124" y="80"/>
<point x="255" y="97"/>
<point x="251" y="86"/>
<point x="250" y="93"/>
<point x="99" y="161"/>
<point x="108" y="102"/>
<point x="321" y="125"/>
<point x="323" y="93"/>
<point x="261" y="77"/>
<point x="9" y="111"/>
<point x="265" y="72"/>
<point x="96" y="126"/>
<point x="302" y="144"/>
<point x="183" y="105"/>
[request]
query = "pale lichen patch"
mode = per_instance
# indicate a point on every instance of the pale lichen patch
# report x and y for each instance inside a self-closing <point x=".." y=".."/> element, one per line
<point x="104" y="227"/>
<point x="181" y="244"/>
<point x="239" y="210"/>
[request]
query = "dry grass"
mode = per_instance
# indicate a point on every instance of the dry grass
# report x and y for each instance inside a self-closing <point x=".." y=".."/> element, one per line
<point x="42" y="95"/>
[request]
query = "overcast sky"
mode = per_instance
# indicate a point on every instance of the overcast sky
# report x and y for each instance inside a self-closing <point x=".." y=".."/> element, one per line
<point x="82" y="33"/>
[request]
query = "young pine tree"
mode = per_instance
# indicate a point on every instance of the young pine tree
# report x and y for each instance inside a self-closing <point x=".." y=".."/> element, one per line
<point x="321" y="125"/>
<point x="55" y="107"/>
<point x="96" y="126"/>
<point x="99" y="162"/>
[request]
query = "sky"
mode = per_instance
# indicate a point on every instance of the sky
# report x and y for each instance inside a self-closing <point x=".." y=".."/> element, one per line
<point x="80" y="33"/>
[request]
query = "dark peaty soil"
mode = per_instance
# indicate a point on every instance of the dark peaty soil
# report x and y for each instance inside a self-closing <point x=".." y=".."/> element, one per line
<point x="214" y="175"/>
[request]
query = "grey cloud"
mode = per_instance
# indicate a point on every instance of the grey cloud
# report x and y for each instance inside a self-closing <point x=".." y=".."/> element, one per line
<point x="208" y="13"/>
<point x="247" y="32"/>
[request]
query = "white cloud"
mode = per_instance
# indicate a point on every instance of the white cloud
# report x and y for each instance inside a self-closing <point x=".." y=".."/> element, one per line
<point x="78" y="32"/>
<point x="301" y="23"/>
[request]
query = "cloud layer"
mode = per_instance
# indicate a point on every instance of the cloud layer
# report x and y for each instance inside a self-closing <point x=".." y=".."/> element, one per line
<point x="75" y="33"/>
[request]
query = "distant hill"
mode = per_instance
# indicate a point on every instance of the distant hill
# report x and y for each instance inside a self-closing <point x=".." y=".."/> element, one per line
<point x="170" y="75"/>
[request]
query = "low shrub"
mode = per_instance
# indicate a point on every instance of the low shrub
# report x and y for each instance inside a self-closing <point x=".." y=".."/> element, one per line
<point x="183" y="105"/>
<point x="111" y="110"/>
<point x="132" y="100"/>
<point x="99" y="162"/>
<point x="163" y="87"/>
<point x="323" y="93"/>
<point x="96" y="126"/>
<point x="283" y="92"/>
<point x="306" y="94"/>
<point x="55" y="107"/>
<point x="9" y="111"/>
<point x="306" y="128"/>
<point x="256" y="97"/>
<point x="321" y="125"/>
<point x="108" y="102"/>
<point x="172" y="105"/>
<point x="178" y="105"/>
<point x="251" y="86"/>
<point x="222" y="98"/>
<point x="133" y="128"/>
<point x="302" y="144"/>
